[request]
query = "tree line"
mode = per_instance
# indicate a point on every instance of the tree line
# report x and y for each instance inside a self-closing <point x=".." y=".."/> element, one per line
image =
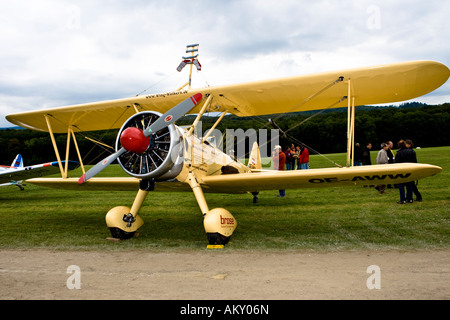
<point x="324" y="132"/>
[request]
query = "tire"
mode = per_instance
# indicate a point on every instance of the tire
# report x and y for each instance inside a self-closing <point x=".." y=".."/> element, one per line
<point x="217" y="238"/>
<point x="120" y="234"/>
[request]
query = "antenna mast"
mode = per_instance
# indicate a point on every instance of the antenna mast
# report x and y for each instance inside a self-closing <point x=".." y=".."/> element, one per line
<point x="192" y="49"/>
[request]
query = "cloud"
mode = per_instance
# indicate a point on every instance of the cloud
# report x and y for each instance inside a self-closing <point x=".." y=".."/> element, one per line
<point x="63" y="52"/>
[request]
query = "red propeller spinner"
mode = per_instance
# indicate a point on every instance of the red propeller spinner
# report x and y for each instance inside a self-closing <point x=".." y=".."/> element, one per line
<point x="134" y="140"/>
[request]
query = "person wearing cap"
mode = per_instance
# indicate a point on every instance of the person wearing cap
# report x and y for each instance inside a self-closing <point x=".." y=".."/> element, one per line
<point x="279" y="160"/>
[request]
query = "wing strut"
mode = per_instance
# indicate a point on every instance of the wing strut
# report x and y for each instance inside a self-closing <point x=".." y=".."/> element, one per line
<point x="350" y="125"/>
<point x="199" y="116"/>
<point x="55" y="147"/>
<point x="214" y="126"/>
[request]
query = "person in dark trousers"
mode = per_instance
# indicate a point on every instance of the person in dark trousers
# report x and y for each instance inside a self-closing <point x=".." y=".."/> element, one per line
<point x="357" y="159"/>
<point x="389" y="152"/>
<point x="288" y="156"/>
<point x="279" y="160"/>
<point x="405" y="154"/>
<point x="409" y="145"/>
<point x="391" y="158"/>
<point x="366" y="161"/>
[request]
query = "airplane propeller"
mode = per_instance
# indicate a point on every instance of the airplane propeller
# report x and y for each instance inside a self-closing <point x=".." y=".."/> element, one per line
<point x="136" y="140"/>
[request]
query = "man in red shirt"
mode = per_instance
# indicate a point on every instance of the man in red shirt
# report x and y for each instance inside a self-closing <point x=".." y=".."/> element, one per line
<point x="279" y="160"/>
<point x="304" y="158"/>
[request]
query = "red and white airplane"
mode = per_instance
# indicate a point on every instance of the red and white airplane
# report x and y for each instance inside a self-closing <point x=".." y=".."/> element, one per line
<point x="16" y="173"/>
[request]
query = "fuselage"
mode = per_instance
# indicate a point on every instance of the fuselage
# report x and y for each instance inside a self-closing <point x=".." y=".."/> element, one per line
<point x="205" y="158"/>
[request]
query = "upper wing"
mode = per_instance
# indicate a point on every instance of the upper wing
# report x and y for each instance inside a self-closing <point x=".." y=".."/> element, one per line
<point x="370" y="85"/>
<point x="39" y="170"/>
<point x="328" y="177"/>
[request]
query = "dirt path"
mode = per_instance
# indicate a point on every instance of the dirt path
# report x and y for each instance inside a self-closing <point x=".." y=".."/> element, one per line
<point x="43" y="274"/>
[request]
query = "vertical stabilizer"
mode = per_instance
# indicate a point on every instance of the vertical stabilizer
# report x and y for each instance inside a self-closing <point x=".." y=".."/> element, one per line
<point x="18" y="162"/>
<point x="254" y="162"/>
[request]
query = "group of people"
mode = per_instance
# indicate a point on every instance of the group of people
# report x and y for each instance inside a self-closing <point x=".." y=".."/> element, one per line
<point x="362" y="155"/>
<point x="405" y="153"/>
<point x="298" y="158"/>
<point x="292" y="158"/>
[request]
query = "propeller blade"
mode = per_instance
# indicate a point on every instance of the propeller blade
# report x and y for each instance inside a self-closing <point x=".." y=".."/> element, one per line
<point x="164" y="121"/>
<point x="100" y="166"/>
<point x="173" y="114"/>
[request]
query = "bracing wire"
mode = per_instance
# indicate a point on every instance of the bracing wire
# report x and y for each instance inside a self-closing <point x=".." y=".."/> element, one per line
<point x="265" y="123"/>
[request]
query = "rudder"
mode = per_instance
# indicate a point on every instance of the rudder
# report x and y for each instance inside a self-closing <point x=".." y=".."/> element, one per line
<point x="254" y="162"/>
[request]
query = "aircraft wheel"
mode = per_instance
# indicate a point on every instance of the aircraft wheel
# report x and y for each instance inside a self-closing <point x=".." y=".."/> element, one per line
<point x="217" y="238"/>
<point x="120" y="234"/>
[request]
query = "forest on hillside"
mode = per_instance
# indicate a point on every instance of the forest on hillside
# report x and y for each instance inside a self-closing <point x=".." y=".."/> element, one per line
<point x="323" y="132"/>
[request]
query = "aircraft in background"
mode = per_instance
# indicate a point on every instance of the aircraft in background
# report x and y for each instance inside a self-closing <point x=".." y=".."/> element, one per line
<point x="160" y="156"/>
<point x="16" y="173"/>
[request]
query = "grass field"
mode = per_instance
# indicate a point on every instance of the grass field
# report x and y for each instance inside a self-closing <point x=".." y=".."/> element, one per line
<point x="346" y="218"/>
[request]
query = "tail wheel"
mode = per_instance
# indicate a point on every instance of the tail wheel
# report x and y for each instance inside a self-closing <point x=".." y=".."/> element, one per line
<point x="217" y="238"/>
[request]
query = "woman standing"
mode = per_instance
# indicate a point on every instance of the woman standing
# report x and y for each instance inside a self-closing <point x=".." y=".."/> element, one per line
<point x="404" y="154"/>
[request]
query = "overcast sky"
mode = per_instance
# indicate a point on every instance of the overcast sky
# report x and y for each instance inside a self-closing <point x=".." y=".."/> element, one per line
<point x="55" y="53"/>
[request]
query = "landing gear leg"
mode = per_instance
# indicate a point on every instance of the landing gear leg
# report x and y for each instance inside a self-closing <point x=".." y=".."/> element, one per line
<point x="198" y="192"/>
<point x="255" y="197"/>
<point x="123" y="221"/>
<point x="20" y="186"/>
<point x="219" y="223"/>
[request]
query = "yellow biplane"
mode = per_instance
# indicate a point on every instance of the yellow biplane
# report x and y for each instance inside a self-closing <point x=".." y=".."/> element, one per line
<point x="158" y="155"/>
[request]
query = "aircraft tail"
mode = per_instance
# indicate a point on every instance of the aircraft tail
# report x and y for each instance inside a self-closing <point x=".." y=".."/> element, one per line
<point x="18" y="162"/>
<point x="254" y="162"/>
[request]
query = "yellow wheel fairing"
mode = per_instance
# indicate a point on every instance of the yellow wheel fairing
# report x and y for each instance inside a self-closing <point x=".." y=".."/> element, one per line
<point x="221" y="221"/>
<point x="114" y="219"/>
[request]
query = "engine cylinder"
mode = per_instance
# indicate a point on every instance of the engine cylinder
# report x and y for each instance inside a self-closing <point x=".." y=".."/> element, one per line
<point x="163" y="159"/>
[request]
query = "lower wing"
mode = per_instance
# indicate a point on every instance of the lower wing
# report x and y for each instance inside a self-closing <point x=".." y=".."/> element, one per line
<point x="264" y="180"/>
<point x="312" y="178"/>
